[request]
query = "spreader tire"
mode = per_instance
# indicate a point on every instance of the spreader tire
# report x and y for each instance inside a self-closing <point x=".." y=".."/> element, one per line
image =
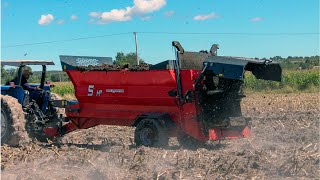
<point x="13" y="123"/>
<point x="151" y="133"/>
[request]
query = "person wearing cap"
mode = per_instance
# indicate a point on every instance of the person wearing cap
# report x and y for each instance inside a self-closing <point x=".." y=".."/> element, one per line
<point x="24" y="80"/>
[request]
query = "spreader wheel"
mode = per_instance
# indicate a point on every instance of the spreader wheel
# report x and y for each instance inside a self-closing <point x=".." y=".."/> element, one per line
<point x="151" y="133"/>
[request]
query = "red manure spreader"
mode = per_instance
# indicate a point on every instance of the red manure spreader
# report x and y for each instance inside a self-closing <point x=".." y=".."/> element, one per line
<point x="194" y="97"/>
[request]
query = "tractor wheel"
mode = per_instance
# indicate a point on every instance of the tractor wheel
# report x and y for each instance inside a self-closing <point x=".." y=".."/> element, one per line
<point x="151" y="133"/>
<point x="13" y="123"/>
<point x="189" y="142"/>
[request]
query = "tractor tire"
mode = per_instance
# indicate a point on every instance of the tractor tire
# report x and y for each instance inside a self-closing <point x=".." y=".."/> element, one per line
<point x="151" y="133"/>
<point x="189" y="142"/>
<point x="13" y="123"/>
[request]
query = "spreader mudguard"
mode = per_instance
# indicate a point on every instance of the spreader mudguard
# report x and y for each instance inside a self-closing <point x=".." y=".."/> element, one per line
<point x="235" y="67"/>
<point x="15" y="91"/>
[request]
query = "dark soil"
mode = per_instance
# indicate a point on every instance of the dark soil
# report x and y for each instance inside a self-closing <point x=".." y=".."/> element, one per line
<point x="108" y="67"/>
<point x="284" y="145"/>
<point x="193" y="60"/>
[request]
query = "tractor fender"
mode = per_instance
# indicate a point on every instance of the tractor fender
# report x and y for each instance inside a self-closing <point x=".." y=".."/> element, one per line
<point x="16" y="92"/>
<point x="163" y="118"/>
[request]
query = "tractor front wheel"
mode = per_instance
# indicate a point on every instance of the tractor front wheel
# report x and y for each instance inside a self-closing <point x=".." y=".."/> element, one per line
<point x="151" y="133"/>
<point x="13" y="123"/>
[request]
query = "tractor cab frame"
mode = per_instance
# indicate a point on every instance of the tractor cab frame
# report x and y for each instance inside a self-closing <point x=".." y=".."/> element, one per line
<point x="22" y="63"/>
<point x="15" y="90"/>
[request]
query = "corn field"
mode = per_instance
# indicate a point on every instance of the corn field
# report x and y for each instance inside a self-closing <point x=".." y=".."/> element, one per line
<point x="63" y="88"/>
<point x="292" y="81"/>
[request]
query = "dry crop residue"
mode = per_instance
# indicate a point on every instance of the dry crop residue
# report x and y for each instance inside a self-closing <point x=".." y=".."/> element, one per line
<point x="284" y="145"/>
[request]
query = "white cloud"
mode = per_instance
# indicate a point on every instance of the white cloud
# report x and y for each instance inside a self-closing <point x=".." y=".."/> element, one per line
<point x="95" y="14"/>
<point x="169" y="13"/>
<point x="147" y="6"/>
<point x="45" y="19"/>
<point x="116" y="15"/>
<point x="256" y="19"/>
<point x="139" y="8"/>
<point x="202" y="17"/>
<point x="146" y="18"/>
<point x="60" y="21"/>
<point x="73" y="17"/>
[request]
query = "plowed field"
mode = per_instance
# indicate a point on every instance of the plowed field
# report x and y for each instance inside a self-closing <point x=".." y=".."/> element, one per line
<point x="284" y="145"/>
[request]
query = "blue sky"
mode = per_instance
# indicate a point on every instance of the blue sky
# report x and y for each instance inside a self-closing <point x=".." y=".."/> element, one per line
<point x="28" y="22"/>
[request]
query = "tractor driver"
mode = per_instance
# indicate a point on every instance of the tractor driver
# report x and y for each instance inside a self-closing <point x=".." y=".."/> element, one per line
<point x="24" y="81"/>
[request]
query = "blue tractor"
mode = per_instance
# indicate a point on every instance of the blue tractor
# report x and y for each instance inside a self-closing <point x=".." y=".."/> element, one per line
<point x="24" y="113"/>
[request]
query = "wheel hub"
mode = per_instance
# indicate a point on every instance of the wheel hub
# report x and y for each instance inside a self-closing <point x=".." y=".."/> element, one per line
<point x="147" y="136"/>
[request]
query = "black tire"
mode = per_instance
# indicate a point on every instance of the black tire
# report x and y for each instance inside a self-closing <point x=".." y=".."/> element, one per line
<point x="151" y="133"/>
<point x="13" y="123"/>
<point x="188" y="142"/>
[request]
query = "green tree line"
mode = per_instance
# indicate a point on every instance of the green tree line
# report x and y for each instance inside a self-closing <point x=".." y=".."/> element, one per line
<point x="297" y="62"/>
<point x="53" y="76"/>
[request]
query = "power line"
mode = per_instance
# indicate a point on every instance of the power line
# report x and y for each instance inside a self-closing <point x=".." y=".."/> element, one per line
<point x="65" y="40"/>
<point x="165" y="33"/>
<point x="231" y="33"/>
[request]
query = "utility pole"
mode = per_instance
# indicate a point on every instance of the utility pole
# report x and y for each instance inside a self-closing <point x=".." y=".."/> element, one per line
<point x="136" y="41"/>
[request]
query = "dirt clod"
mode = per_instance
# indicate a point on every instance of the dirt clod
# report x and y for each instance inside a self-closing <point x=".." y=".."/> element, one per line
<point x="108" y="67"/>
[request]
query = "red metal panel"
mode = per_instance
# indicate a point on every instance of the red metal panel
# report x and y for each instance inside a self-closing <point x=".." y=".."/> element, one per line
<point x="124" y="87"/>
<point x="123" y="95"/>
<point x="235" y="133"/>
<point x="190" y="124"/>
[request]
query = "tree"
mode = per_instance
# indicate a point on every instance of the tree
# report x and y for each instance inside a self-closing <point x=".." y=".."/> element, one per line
<point x="55" y="77"/>
<point x="4" y="75"/>
<point x="8" y="74"/>
<point x="304" y="65"/>
<point x="130" y="58"/>
<point x="276" y="58"/>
